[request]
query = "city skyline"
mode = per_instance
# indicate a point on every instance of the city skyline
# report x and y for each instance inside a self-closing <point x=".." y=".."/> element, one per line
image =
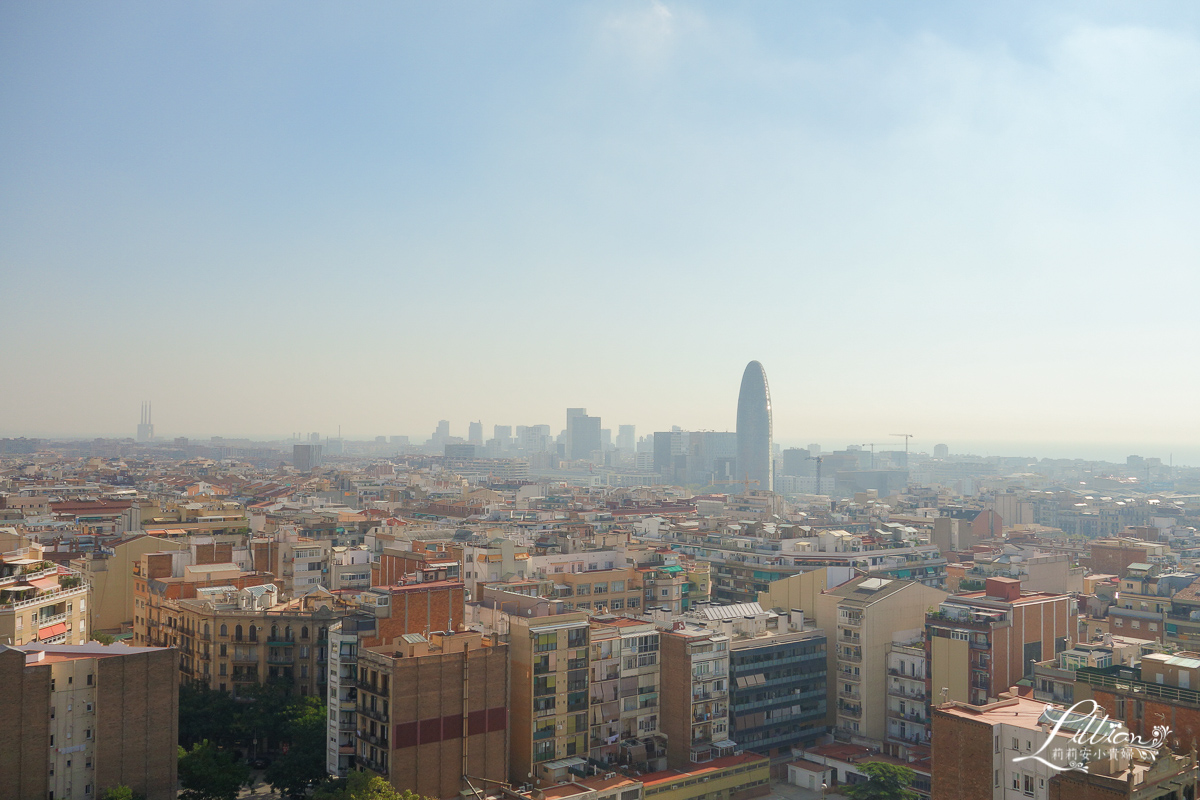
<point x="953" y="222"/>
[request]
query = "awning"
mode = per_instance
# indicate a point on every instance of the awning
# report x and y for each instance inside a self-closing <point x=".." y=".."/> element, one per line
<point x="51" y="631"/>
<point x="45" y="584"/>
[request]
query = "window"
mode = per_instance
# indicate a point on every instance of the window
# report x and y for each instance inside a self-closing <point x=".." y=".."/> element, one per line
<point x="1016" y="781"/>
<point x="996" y="780"/>
<point x="1028" y="785"/>
<point x="962" y="636"/>
<point x="237" y="633"/>
<point x="618" y="586"/>
<point x="224" y="630"/>
<point x="89" y="679"/>
<point x="996" y="746"/>
<point x="666" y="592"/>
<point x="1016" y="744"/>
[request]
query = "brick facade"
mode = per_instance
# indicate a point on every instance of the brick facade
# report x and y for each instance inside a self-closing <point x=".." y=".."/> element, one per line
<point x="961" y="759"/>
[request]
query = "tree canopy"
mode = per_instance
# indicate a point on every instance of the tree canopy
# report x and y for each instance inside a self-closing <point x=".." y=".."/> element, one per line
<point x="302" y="724"/>
<point x="885" y="782"/>
<point x="361" y="786"/>
<point x="208" y="773"/>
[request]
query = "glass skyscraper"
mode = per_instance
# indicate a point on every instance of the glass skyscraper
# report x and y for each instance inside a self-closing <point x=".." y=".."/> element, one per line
<point x="754" y="428"/>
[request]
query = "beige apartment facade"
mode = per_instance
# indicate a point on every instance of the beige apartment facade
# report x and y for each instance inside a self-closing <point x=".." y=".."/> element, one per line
<point x="861" y="617"/>
<point x="80" y="719"/>
<point x="549" y="711"/>
<point x="40" y="601"/>
<point x="110" y="573"/>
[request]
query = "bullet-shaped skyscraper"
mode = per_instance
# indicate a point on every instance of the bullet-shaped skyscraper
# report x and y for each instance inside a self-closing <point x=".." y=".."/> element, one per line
<point x="754" y="428"/>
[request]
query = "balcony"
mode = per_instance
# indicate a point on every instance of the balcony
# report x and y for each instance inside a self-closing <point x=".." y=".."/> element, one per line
<point x="855" y="696"/>
<point x="853" y="659"/>
<point x="48" y="597"/>
<point x="850" y="621"/>
<point x="850" y="711"/>
<point x="44" y="621"/>
<point x="898" y="691"/>
<point x="377" y="714"/>
<point x="373" y="688"/>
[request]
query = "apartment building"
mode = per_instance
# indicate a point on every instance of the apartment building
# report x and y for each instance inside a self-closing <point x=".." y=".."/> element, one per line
<point x="341" y="700"/>
<point x="1161" y="689"/>
<point x="600" y="591"/>
<point x="79" y="719"/>
<point x="299" y="563"/>
<point x="694" y="676"/>
<point x="1054" y="679"/>
<point x="413" y="608"/>
<point x="735" y="777"/>
<point x="1113" y="555"/>
<point x="41" y="601"/>
<point x="500" y="559"/>
<point x="624" y="691"/>
<point x="229" y="638"/>
<point x="349" y="568"/>
<point x="550" y="694"/>
<point x="666" y="587"/>
<point x="864" y="614"/>
<point x="1139" y="609"/>
<point x="396" y="566"/>
<point x="433" y="710"/>
<point x="908" y="731"/>
<point x="109" y="570"/>
<point x="777" y="670"/>
<point x="974" y="747"/>
<point x="981" y="643"/>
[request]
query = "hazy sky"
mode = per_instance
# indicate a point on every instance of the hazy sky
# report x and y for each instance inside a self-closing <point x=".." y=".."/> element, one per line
<point x="965" y="221"/>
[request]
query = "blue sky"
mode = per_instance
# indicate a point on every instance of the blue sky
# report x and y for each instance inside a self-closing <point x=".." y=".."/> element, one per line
<point x="974" y="223"/>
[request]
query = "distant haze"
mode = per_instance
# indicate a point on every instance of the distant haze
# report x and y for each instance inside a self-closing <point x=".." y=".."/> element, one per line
<point x="970" y="223"/>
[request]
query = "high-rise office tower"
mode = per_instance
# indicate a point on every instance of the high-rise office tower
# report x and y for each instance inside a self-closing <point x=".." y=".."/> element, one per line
<point x="754" y="428"/>
<point x="627" y="437"/>
<point x="475" y="433"/>
<point x="584" y="435"/>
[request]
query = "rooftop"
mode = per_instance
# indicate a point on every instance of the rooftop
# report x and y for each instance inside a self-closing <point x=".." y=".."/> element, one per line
<point x="717" y="764"/>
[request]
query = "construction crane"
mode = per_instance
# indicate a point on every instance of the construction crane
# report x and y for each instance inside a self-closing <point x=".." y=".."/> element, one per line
<point x="906" y="436"/>
<point x="817" y="459"/>
<point x="872" y="446"/>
